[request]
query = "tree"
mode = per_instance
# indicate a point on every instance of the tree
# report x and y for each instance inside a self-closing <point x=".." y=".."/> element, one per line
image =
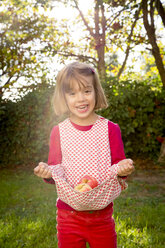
<point x="116" y="25"/>
<point x="127" y="51"/>
<point x="97" y="33"/>
<point x="105" y="30"/>
<point x="25" y="40"/>
<point x="148" y="8"/>
<point x="111" y="28"/>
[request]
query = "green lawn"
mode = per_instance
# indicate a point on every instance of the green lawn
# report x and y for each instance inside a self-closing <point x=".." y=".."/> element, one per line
<point x="28" y="212"/>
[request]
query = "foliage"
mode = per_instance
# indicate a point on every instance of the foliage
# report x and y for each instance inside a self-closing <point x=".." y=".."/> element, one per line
<point x="26" y="37"/>
<point x="139" y="109"/>
<point x="27" y="210"/>
<point x="31" y="41"/>
<point x="25" y="127"/>
<point x="137" y="106"/>
<point x="117" y="27"/>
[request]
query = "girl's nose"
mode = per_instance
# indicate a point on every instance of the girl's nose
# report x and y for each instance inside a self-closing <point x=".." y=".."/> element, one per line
<point x="80" y="96"/>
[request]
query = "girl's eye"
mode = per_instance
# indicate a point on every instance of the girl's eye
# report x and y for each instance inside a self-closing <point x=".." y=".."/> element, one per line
<point x="87" y="91"/>
<point x="71" y="93"/>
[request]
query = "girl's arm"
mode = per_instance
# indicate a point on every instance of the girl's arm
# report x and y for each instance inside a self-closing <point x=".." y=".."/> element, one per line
<point x="54" y="158"/>
<point x="117" y="151"/>
<point x="116" y="143"/>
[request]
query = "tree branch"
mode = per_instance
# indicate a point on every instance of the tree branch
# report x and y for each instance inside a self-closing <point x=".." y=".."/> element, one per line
<point x="150" y="29"/>
<point x="128" y="43"/>
<point x="7" y="82"/>
<point x="116" y="16"/>
<point x="152" y="13"/>
<point x="103" y="24"/>
<point x="84" y="20"/>
<point x="80" y="56"/>
<point x="96" y="18"/>
<point x="160" y="10"/>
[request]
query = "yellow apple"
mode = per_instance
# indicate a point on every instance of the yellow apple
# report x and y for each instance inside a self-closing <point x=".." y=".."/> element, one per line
<point x="82" y="187"/>
<point x="91" y="181"/>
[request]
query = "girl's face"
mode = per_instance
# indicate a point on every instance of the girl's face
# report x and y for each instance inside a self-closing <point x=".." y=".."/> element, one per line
<point x="81" y="102"/>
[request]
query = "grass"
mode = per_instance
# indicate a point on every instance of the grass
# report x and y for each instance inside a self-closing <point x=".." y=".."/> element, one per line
<point x="28" y="212"/>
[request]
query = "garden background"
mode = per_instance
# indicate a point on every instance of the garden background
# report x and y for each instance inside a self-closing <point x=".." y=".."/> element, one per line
<point x="124" y="41"/>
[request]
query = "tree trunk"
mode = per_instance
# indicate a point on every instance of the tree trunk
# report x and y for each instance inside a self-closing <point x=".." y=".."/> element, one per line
<point x="150" y="29"/>
<point x="98" y="34"/>
<point x="101" y="61"/>
<point x="161" y="10"/>
<point x="99" y="37"/>
<point x="161" y="158"/>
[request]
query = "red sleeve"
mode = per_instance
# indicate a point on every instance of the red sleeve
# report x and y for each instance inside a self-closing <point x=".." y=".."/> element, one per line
<point x="55" y="156"/>
<point x="116" y="143"/>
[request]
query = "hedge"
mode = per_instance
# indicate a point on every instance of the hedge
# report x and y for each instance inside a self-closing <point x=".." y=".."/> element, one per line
<point x="25" y="128"/>
<point x="138" y="108"/>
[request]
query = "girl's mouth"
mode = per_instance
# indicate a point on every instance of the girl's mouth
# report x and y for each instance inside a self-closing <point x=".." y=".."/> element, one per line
<point x="82" y="108"/>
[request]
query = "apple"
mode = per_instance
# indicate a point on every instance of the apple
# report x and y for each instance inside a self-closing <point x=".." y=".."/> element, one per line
<point x="91" y="181"/>
<point x="82" y="187"/>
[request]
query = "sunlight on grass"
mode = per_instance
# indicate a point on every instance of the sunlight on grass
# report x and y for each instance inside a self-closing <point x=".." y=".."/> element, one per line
<point x="22" y="232"/>
<point x="129" y="236"/>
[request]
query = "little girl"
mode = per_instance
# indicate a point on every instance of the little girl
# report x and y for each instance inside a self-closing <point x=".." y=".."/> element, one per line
<point x="83" y="144"/>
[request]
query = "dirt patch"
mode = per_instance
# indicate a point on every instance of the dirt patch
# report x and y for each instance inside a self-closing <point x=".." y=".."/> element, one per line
<point x="148" y="171"/>
<point x="149" y="183"/>
<point x="148" y="176"/>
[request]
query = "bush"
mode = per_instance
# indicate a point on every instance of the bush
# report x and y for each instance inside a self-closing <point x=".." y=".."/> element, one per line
<point x="139" y="109"/>
<point x="25" y="127"/>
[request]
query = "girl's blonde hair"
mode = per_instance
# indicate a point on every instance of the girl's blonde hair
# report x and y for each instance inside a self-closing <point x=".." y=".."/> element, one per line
<point x="76" y="71"/>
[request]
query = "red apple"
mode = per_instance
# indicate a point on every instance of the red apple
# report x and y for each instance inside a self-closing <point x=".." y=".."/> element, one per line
<point x="91" y="181"/>
<point x="82" y="187"/>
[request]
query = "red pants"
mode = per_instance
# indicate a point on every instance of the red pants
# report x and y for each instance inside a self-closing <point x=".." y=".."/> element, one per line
<point x="75" y="228"/>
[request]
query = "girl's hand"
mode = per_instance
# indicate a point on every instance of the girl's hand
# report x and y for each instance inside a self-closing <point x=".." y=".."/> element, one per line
<point x="42" y="170"/>
<point x="125" y="167"/>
